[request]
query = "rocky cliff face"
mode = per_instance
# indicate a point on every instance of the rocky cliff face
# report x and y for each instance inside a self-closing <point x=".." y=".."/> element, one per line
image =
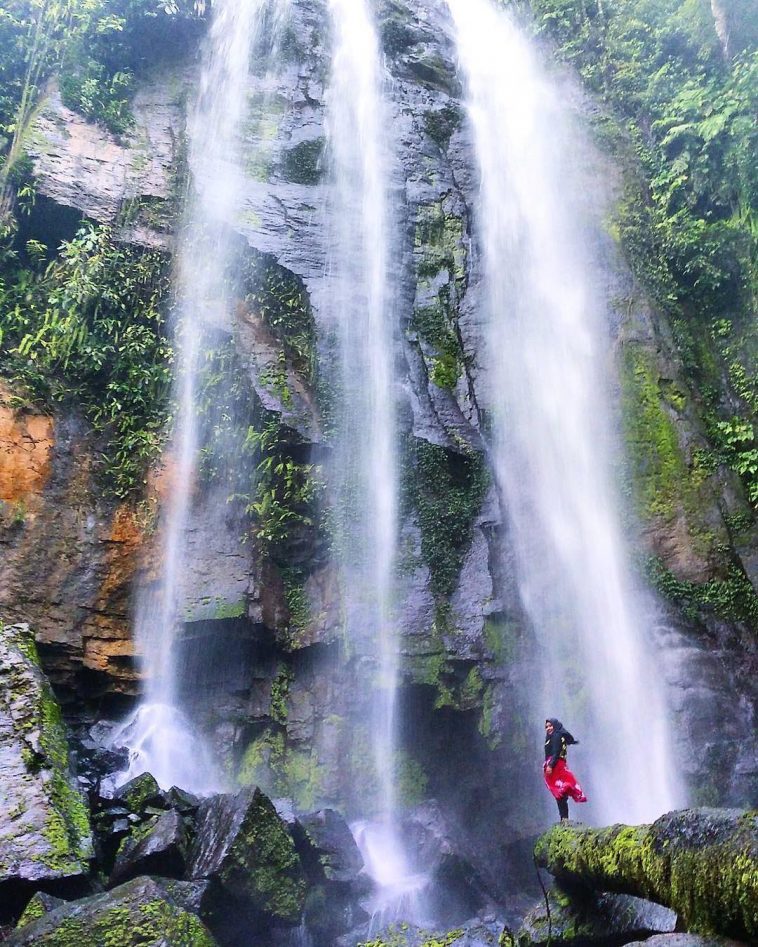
<point x="280" y="707"/>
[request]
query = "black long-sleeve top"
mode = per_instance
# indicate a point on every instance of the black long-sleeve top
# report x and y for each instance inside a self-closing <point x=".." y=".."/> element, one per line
<point x="555" y="748"/>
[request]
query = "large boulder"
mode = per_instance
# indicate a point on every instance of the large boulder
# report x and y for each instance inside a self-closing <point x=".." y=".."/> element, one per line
<point x="244" y="848"/>
<point x="159" y="846"/>
<point x="44" y="821"/>
<point x="327" y="847"/>
<point x="601" y="920"/>
<point x="702" y="863"/>
<point x="141" y="913"/>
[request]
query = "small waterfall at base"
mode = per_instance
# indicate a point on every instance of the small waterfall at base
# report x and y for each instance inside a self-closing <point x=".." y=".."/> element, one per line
<point x="159" y="736"/>
<point x="361" y="316"/>
<point x="552" y="430"/>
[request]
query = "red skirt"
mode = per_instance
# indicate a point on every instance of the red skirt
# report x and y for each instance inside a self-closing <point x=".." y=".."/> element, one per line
<point x="562" y="782"/>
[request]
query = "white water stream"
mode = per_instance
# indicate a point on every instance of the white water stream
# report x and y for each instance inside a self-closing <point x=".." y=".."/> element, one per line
<point x="549" y="359"/>
<point x="158" y="735"/>
<point x="364" y="248"/>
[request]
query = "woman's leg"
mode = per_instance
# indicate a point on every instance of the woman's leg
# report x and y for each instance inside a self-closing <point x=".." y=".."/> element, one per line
<point x="563" y="807"/>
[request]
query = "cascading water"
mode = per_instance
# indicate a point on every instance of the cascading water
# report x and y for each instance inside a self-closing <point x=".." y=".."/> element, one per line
<point x="362" y="310"/>
<point x="552" y="433"/>
<point x="159" y="737"/>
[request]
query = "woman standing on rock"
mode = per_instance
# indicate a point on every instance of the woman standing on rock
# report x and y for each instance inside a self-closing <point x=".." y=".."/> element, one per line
<point x="558" y="777"/>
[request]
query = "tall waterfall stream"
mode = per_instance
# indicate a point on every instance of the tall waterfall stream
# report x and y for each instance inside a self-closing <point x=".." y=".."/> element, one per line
<point x="160" y="738"/>
<point x="548" y="351"/>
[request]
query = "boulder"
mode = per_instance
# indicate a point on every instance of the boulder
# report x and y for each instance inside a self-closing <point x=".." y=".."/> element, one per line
<point x="684" y="940"/>
<point x="603" y="920"/>
<point x="245" y="850"/>
<point x="702" y="863"/>
<point x="139" y="913"/>
<point x="39" y="905"/>
<point x="139" y="793"/>
<point x="44" y="822"/>
<point x="327" y="847"/>
<point x="159" y="846"/>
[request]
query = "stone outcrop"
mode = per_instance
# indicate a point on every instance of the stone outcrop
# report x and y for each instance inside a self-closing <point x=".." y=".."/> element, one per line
<point x="702" y="863"/>
<point x="244" y="848"/>
<point x="44" y="824"/>
<point x="605" y="919"/>
<point x="129" y="182"/>
<point x="143" y="911"/>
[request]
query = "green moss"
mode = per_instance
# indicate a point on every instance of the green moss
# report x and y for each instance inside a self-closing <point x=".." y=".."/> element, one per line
<point x="280" y="689"/>
<point x="34" y="909"/>
<point x="230" y="610"/>
<point x="303" y="164"/>
<point x="440" y="124"/>
<point x="486" y="721"/>
<point x="410" y="780"/>
<point x="126" y="925"/>
<point x="731" y="598"/>
<point x="282" y="770"/>
<point x="264" y="863"/>
<point x="138" y="791"/>
<point x="700" y="863"/>
<point x="447" y="491"/>
<point x="659" y="472"/>
<point x="67" y="828"/>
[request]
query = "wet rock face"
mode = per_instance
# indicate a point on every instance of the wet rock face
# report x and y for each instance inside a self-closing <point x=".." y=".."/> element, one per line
<point x="596" y="920"/>
<point x="68" y="557"/>
<point x="159" y="847"/>
<point x="79" y="164"/>
<point x="245" y="850"/>
<point x="143" y="911"/>
<point x="702" y="863"/>
<point x="44" y="823"/>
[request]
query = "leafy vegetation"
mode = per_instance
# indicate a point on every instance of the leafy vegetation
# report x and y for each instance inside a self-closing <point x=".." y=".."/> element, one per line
<point x="96" y="46"/>
<point x="683" y="101"/>
<point x="89" y="328"/>
<point x="447" y="490"/>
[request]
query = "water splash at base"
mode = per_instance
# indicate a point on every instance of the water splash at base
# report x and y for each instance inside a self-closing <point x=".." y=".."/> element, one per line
<point x="161" y="740"/>
<point x="400" y="893"/>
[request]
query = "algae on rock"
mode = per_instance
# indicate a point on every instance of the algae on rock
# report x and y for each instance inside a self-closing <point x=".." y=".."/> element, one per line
<point x="44" y="821"/>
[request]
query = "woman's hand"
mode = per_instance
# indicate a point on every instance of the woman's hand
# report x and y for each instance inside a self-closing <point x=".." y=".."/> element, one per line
<point x="549" y="770"/>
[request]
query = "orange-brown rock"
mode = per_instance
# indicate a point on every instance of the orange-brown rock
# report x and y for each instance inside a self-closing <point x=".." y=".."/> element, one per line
<point x="69" y="556"/>
<point x="26" y="444"/>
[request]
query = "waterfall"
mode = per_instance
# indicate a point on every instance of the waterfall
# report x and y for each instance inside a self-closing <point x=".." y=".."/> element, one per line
<point x="363" y="250"/>
<point x="160" y="738"/>
<point x="553" y="440"/>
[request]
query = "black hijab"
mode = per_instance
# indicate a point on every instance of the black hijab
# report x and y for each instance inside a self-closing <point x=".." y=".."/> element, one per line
<point x="561" y="731"/>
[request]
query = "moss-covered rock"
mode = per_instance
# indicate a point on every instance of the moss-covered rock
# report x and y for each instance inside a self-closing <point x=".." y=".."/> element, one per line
<point x="159" y="846"/>
<point x="44" y="821"/>
<point x="138" y="914"/>
<point x="139" y="792"/>
<point x="39" y="905"/>
<point x="702" y="863"/>
<point x="596" y="919"/>
<point x="245" y="848"/>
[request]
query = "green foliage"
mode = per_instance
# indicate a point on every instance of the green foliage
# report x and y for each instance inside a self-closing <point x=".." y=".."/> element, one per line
<point x="731" y="597"/>
<point x="690" y="116"/>
<point x="89" y="327"/>
<point x="286" y="490"/>
<point x="303" y="163"/>
<point x="447" y="490"/>
<point x="96" y="46"/>
<point x="281" y="300"/>
<point x="684" y="124"/>
<point x="440" y="124"/>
